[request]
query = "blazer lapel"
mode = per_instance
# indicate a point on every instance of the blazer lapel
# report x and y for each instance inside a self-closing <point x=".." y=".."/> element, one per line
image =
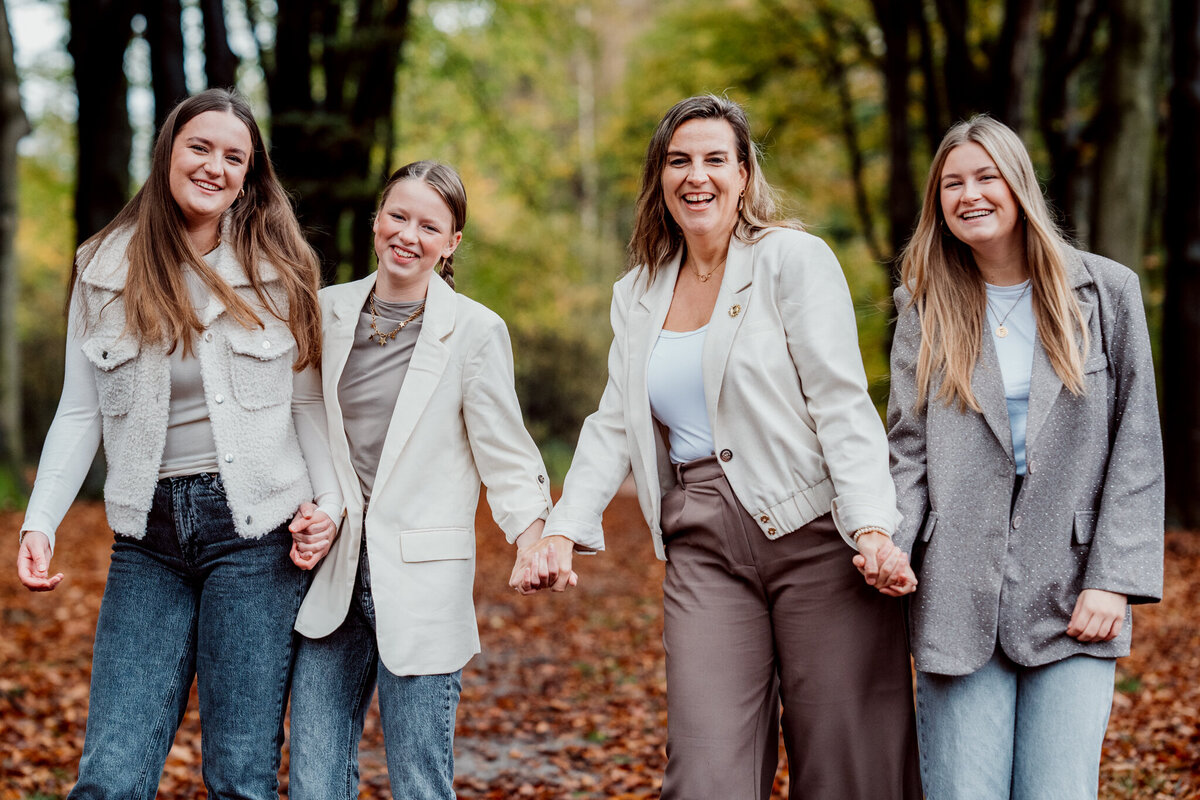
<point x="988" y="386"/>
<point x="338" y="338"/>
<point x="429" y="359"/>
<point x="646" y="317"/>
<point x="726" y="317"/>
<point x="1044" y="383"/>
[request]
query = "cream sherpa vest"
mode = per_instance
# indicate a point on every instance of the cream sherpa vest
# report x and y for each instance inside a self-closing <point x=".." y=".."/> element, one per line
<point x="247" y="376"/>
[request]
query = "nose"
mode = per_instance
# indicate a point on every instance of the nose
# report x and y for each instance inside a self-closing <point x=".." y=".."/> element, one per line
<point x="971" y="190"/>
<point x="212" y="164"/>
<point x="697" y="173"/>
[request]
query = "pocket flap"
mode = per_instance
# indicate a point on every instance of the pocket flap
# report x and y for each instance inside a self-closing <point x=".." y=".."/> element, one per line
<point x="436" y="544"/>
<point x="265" y="344"/>
<point x="108" y="354"/>
<point x="1096" y="362"/>
<point x="1085" y="526"/>
<point x="930" y="524"/>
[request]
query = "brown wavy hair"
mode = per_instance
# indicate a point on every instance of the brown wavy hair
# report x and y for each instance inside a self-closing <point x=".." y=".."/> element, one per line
<point x="444" y="180"/>
<point x="948" y="289"/>
<point x="656" y="235"/>
<point x="262" y="226"/>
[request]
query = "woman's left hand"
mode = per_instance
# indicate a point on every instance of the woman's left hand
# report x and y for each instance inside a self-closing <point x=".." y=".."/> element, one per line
<point x="312" y="536"/>
<point x="884" y="565"/>
<point x="1098" y="617"/>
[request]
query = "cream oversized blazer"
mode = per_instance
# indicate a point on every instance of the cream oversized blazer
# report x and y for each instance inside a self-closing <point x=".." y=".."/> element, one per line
<point x="793" y="427"/>
<point x="456" y="422"/>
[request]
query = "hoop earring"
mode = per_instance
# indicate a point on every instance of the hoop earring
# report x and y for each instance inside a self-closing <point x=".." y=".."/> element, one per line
<point x="242" y="192"/>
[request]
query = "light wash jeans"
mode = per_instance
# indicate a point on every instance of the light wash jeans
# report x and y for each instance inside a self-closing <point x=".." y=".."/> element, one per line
<point x="332" y="686"/>
<point x="191" y="599"/>
<point x="1007" y="731"/>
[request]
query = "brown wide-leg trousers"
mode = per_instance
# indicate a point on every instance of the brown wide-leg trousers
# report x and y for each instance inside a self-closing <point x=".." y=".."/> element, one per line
<point x="750" y="622"/>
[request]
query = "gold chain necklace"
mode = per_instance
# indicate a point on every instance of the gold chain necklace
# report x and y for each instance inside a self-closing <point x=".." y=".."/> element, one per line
<point x="706" y="275"/>
<point x="383" y="337"/>
<point x="1001" y="328"/>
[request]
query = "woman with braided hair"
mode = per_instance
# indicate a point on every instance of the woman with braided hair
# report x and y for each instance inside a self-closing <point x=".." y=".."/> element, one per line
<point x="391" y="603"/>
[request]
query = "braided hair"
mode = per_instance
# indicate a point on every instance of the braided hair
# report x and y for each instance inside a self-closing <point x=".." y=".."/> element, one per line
<point x="444" y="180"/>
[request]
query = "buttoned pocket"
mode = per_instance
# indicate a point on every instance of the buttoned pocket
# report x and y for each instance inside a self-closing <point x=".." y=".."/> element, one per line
<point x="927" y="528"/>
<point x="436" y="544"/>
<point x="260" y="372"/>
<point x="1085" y="526"/>
<point x="115" y="361"/>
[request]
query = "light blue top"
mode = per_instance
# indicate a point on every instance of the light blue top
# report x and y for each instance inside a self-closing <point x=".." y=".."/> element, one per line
<point x="1014" y="306"/>
<point x="675" y="382"/>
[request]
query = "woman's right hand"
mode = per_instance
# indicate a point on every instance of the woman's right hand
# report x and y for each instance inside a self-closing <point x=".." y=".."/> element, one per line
<point x="544" y="565"/>
<point x="33" y="563"/>
<point x="884" y="565"/>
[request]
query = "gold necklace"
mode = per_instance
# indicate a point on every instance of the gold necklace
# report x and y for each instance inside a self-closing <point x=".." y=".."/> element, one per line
<point x="706" y="275"/>
<point x="383" y="337"/>
<point x="1001" y="328"/>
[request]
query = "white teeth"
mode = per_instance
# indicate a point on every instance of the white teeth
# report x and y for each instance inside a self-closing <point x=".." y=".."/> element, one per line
<point x="975" y="214"/>
<point x="212" y="187"/>
<point x="697" y="198"/>
<point x="403" y="253"/>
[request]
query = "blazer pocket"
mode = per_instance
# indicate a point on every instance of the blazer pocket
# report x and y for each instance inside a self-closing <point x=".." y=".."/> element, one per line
<point x="1085" y="526"/>
<point x="260" y="375"/>
<point x="115" y="362"/>
<point x="930" y="524"/>
<point x="1096" y="362"/>
<point x="436" y="544"/>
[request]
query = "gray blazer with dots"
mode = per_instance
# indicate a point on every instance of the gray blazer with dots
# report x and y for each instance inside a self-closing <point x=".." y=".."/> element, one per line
<point x="1090" y="512"/>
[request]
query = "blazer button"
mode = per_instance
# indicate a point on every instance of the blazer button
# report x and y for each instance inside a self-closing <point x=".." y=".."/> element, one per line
<point x="1016" y="521"/>
<point x="541" y="478"/>
<point x="1029" y="467"/>
<point x="726" y="455"/>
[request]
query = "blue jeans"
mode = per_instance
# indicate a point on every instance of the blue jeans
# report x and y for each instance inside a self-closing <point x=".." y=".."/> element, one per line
<point x="332" y="686"/>
<point x="191" y="599"/>
<point x="1007" y="731"/>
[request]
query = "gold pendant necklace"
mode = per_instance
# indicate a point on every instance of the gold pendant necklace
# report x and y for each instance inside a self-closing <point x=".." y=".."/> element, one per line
<point x="383" y="337"/>
<point x="1001" y="328"/>
<point x="703" y="277"/>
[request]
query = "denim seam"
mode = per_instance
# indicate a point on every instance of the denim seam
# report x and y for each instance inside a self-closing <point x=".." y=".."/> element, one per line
<point x="172" y="688"/>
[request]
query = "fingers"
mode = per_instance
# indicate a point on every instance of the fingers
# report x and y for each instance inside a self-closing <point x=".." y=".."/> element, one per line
<point x="33" y="563"/>
<point x="1099" y="616"/>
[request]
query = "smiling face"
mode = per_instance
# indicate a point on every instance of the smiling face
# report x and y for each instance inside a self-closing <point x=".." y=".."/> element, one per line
<point x="414" y="229"/>
<point x="702" y="179"/>
<point x="977" y="203"/>
<point x="209" y="161"/>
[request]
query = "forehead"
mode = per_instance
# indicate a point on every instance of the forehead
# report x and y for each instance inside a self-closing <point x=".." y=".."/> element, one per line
<point x="967" y="158"/>
<point x="703" y="135"/>
<point x="417" y="197"/>
<point x="221" y="127"/>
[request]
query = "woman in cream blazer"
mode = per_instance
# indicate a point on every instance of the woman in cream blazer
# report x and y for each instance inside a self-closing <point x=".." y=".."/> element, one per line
<point x="400" y="612"/>
<point x="1028" y="464"/>
<point x="737" y="397"/>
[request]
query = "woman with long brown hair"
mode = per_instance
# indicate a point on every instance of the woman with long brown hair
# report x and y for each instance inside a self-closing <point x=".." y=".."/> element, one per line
<point x="1028" y="467"/>
<point x="193" y="347"/>
<point x="737" y="397"/>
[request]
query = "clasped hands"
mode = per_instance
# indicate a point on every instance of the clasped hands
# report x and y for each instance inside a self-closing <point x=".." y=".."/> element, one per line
<point x="542" y="563"/>
<point x="884" y="565"/>
<point x="312" y="536"/>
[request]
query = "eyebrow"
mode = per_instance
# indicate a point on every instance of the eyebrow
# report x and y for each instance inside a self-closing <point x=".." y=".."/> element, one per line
<point x="208" y="143"/>
<point x="947" y="175"/>
<point x="706" y="155"/>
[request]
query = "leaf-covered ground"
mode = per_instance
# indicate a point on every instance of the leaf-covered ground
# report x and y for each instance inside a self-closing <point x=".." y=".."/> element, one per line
<point x="567" y="699"/>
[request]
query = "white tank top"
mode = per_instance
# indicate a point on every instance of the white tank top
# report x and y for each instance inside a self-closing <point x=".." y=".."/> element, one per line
<point x="675" y="382"/>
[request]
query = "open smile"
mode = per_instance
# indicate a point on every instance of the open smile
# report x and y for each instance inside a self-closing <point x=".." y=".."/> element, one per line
<point x="698" y="199"/>
<point x="972" y="215"/>
<point x="400" y="252"/>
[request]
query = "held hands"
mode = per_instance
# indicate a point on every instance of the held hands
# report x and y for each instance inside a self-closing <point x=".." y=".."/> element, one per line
<point x="1098" y="616"/>
<point x="33" y="563"/>
<point x="544" y="564"/>
<point x="312" y="536"/>
<point x="884" y="565"/>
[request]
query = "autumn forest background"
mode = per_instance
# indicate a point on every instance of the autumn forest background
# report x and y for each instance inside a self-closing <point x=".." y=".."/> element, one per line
<point x="545" y="107"/>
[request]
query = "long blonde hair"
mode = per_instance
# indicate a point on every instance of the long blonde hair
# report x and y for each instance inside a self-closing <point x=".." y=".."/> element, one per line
<point x="656" y="236"/>
<point x="948" y="289"/>
<point x="261" y="223"/>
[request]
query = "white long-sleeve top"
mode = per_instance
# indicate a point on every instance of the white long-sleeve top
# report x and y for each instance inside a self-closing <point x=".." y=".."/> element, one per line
<point x="269" y="464"/>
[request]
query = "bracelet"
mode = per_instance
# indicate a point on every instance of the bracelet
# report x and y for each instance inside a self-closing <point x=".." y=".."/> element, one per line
<point x="869" y="529"/>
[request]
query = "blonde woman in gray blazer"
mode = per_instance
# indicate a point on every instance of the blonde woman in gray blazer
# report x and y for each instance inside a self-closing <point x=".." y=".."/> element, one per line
<point x="1027" y="459"/>
<point x="736" y="396"/>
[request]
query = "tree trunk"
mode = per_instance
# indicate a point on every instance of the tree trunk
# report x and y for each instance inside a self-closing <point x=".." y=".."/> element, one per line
<point x="220" y="64"/>
<point x="13" y="127"/>
<point x="100" y="31"/>
<point x="1126" y="124"/>
<point x="164" y="32"/>
<point x="1181" y="312"/>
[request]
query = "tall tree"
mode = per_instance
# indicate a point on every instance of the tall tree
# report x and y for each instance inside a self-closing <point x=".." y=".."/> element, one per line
<point x="331" y="80"/>
<point x="100" y="32"/>
<point x="13" y="127"/>
<point x="1181" y="313"/>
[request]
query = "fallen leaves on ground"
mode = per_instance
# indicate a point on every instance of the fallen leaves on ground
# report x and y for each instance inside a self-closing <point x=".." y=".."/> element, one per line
<point x="567" y="699"/>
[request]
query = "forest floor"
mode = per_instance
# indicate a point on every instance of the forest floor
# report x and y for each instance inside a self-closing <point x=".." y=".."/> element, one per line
<point x="567" y="699"/>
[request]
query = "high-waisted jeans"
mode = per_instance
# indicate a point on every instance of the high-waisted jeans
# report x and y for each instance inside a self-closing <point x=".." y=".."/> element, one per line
<point x="191" y="599"/>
